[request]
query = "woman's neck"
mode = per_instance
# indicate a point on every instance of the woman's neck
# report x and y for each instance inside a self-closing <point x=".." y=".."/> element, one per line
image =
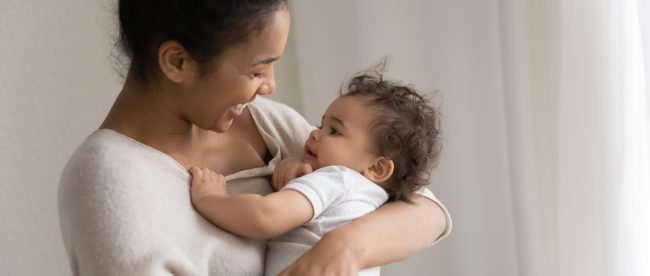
<point x="141" y="112"/>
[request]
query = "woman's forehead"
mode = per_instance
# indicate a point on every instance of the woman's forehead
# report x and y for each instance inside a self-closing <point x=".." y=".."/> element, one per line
<point x="264" y="46"/>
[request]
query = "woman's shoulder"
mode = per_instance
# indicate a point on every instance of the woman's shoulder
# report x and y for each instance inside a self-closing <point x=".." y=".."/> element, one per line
<point x="269" y="110"/>
<point x="100" y="153"/>
<point x="108" y="156"/>
<point x="111" y="173"/>
<point x="103" y="148"/>
<point x="282" y="123"/>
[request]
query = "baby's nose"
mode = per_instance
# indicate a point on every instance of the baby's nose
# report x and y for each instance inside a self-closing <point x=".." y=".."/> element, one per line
<point x="314" y="135"/>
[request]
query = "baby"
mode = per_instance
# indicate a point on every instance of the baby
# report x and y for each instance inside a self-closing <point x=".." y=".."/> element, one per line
<point x="378" y="141"/>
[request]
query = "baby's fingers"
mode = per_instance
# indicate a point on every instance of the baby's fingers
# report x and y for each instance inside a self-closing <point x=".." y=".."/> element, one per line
<point x="278" y="179"/>
<point x="304" y="169"/>
<point x="208" y="173"/>
<point x="196" y="172"/>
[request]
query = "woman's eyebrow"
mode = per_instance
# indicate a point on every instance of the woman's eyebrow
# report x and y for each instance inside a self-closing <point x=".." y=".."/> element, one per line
<point x="265" y="61"/>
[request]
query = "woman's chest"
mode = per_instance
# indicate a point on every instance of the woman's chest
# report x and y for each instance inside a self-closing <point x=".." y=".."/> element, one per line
<point x="232" y="155"/>
<point x="192" y="245"/>
<point x="226" y="153"/>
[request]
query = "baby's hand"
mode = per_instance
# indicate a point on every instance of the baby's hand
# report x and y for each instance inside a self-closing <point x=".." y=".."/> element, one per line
<point x="206" y="183"/>
<point x="288" y="169"/>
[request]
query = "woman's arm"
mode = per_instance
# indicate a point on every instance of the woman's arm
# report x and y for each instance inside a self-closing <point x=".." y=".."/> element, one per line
<point x="393" y="232"/>
<point x="249" y="215"/>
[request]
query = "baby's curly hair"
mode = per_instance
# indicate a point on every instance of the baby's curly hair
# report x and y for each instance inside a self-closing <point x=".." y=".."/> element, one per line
<point x="406" y="129"/>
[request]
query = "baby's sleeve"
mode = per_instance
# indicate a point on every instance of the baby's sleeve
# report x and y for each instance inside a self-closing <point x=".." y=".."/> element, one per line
<point x="323" y="188"/>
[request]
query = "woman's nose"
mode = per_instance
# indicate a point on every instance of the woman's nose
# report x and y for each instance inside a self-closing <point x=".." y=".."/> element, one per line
<point x="268" y="86"/>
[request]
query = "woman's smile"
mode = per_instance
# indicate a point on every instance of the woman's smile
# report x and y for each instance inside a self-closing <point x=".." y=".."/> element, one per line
<point x="238" y="109"/>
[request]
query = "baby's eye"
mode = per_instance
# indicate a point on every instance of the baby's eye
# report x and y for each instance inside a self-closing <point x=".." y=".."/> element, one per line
<point x="333" y="131"/>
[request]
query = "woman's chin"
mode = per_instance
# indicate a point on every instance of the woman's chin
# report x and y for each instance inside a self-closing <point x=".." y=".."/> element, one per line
<point x="225" y="126"/>
<point x="222" y="125"/>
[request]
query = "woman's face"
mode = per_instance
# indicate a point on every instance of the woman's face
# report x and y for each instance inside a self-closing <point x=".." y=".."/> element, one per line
<point x="244" y="70"/>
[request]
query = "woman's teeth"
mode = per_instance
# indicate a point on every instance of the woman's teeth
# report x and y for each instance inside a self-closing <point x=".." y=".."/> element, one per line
<point x="238" y="109"/>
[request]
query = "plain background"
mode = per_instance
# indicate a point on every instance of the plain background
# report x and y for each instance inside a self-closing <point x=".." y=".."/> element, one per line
<point x="59" y="75"/>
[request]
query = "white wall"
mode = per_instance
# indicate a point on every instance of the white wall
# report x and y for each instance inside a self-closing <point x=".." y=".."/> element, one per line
<point x="56" y="84"/>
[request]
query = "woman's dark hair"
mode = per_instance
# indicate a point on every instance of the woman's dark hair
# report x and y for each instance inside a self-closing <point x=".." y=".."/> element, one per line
<point x="205" y="28"/>
<point x="405" y="128"/>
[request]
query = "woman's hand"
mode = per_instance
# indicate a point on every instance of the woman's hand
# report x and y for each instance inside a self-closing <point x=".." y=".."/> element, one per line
<point x="206" y="183"/>
<point x="332" y="255"/>
<point x="288" y="169"/>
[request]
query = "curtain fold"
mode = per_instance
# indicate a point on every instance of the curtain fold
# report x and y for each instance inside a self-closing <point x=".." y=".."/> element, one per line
<point x="530" y="57"/>
<point x="589" y="156"/>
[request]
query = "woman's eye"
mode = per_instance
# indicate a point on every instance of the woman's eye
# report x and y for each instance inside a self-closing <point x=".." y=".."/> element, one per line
<point x="258" y="75"/>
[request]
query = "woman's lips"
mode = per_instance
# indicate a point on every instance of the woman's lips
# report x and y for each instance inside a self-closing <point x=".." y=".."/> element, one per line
<point x="238" y="109"/>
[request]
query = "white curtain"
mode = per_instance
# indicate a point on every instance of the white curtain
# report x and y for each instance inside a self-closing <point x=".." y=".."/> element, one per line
<point x="630" y="55"/>
<point x="546" y="110"/>
<point x="578" y="117"/>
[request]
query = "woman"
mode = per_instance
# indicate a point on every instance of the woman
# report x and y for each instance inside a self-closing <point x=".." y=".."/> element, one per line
<point x="195" y="65"/>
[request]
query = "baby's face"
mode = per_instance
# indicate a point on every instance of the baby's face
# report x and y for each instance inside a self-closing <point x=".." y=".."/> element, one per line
<point x="343" y="137"/>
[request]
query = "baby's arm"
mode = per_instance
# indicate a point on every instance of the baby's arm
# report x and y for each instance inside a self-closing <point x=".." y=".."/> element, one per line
<point x="248" y="215"/>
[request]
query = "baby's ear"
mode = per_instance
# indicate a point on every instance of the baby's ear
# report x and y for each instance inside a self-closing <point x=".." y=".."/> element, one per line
<point x="380" y="170"/>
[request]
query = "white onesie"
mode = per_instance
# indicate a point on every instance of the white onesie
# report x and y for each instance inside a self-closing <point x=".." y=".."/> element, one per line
<point x="338" y="195"/>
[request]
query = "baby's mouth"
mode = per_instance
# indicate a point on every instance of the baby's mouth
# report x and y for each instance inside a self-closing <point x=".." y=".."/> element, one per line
<point x="309" y="152"/>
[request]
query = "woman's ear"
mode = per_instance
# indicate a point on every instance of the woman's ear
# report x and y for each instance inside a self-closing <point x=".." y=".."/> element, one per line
<point x="174" y="61"/>
<point x="380" y="170"/>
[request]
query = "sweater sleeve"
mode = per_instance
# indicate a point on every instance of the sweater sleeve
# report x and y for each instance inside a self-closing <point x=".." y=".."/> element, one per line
<point x="425" y="192"/>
